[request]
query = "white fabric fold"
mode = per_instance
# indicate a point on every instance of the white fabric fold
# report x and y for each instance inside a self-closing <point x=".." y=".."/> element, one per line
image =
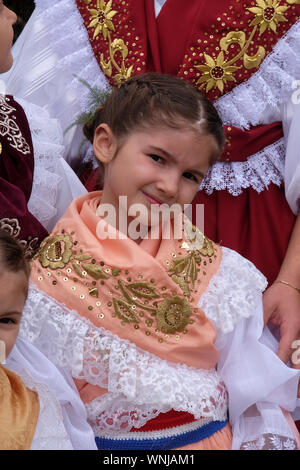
<point x="259" y="385"/>
<point x="291" y="126"/>
<point x="55" y="184"/>
<point x="62" y="422"/>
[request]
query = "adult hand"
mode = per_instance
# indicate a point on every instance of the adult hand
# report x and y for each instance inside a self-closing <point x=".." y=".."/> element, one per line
<point x="282" y="308"/>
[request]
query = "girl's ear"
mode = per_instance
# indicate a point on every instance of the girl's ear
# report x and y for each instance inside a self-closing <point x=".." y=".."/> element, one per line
<point x="105" y="143"/>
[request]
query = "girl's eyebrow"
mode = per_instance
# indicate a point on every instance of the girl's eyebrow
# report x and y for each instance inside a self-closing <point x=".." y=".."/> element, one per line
<point x="10" y="313"/>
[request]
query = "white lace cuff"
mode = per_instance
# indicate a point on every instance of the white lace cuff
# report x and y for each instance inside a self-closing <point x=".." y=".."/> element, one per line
<point x="257" y="172"/>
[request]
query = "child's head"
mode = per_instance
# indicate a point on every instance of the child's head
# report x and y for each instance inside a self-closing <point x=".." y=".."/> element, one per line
<point x="156" y="136"/>
<point x="7" y="20"/>
<point x="14" y="277"/>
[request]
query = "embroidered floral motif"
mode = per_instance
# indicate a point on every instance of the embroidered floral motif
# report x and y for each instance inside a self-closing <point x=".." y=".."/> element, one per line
<point x="184" y="269"/>
<point x="10" y="129"/>
<point x="101" y="18"/>
<point x="268" y="14"/>
<point x="173" y="315"/>
<point x="56" y="251"/>
<point x="101" y="22"/>
<point x="216" y="72"/>
<point x="137" y="302"/>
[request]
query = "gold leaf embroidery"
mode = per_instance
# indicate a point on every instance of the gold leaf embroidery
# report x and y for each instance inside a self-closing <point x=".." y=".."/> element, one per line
<point x="94" y="271"/>
<point x="142" y="290"/>
<point x="125" y="310"/>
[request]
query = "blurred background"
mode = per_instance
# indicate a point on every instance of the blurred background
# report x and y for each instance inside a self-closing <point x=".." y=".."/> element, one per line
<point x="23" y="8"/>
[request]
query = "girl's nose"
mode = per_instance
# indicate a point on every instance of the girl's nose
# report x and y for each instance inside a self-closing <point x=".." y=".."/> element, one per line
<point x="169" y="185"/>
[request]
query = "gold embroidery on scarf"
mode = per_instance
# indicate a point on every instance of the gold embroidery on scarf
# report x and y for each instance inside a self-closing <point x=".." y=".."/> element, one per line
<point x="184" y="270"/>
<point x="55" y="251"/>
<point x="101" y="21"/>
<point x="136" y="302"/>
<point x="173" y="315"/>
<point x="216" y="72"/>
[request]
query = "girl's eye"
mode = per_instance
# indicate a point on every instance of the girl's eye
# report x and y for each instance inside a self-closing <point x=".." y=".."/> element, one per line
<point x="8" y="321"/>
<point x="190" y="176"/>
<point x="156" y="158"/>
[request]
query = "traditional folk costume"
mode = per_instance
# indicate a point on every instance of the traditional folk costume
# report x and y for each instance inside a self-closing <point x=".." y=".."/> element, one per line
<point x="16" y="176"/>
<point x="163" y="338"/>
<point x="40" y="408"/>
<point x="242" y="54"/>
<point x="32" y="170"/>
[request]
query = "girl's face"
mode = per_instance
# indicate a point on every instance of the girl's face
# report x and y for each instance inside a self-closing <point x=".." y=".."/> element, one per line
<point x="154" y="166"/>
<point x="7" y="20"/>
<point x="13" y="293"/>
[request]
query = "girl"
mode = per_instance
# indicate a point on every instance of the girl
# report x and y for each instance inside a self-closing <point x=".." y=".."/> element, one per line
<point x="163" y="334"/>
<point x="244" y="56"/>
<point x="40" y="409"/>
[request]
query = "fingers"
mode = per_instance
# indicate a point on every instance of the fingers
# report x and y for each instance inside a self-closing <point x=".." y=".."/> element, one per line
<point x="295" y="357"/>
<point x="286" y="349"/>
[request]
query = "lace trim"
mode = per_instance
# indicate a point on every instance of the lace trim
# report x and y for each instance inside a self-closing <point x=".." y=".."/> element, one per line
<point x="47" y="142"/>
<point x="269" y="86"/>
<point x="139" y="384"/>
<point x="50" y="432"/>
<point x="261" y="169"/>
<point x="233" y="293"/>
<point x="270" y="442"/>
<point x="69" y="40"/>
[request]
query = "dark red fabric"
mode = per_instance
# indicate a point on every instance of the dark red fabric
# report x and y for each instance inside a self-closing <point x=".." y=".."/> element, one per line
<point x="16" y="177"/>
<point x="165" y="421"/>
<point x="240" y="144"/>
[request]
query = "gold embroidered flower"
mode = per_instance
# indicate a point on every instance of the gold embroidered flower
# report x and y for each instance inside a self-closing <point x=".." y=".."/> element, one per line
<point x="101" y="18"/>
<point x="173" y="315"/>
<point x="268" y="13"/>
<point x="215" y="73"/>
<point x="55" y="251"/>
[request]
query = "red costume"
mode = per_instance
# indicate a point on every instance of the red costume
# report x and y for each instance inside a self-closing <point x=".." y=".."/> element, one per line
<point x="16" y="176"/>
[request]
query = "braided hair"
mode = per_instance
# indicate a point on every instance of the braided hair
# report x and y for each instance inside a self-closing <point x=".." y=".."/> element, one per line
<point x="159" y="100"/>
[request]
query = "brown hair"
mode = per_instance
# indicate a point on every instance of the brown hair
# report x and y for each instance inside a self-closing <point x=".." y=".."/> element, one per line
<point x="154" y="99"/>
<point x="12" y="255"/>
